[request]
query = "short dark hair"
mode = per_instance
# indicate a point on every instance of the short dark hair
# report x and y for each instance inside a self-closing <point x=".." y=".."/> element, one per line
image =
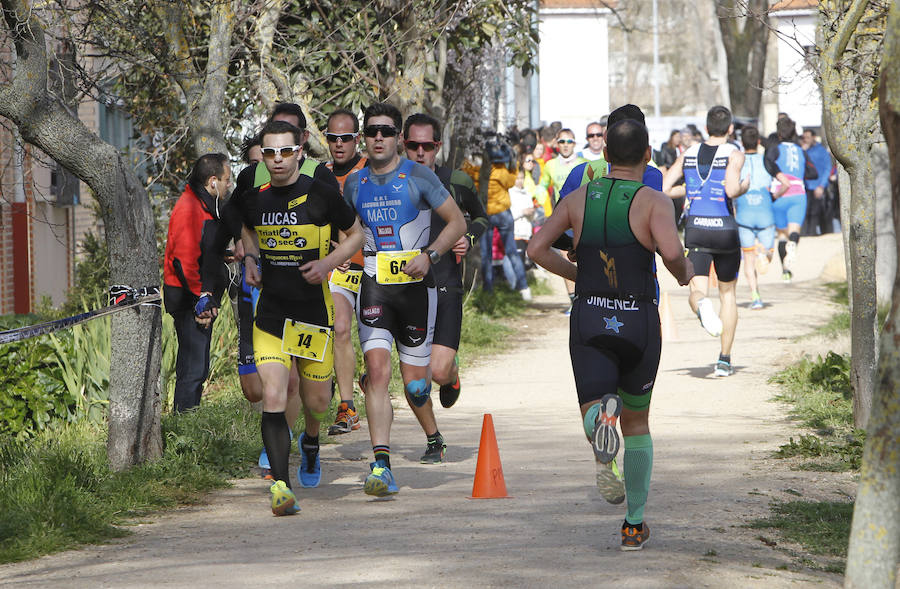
<point x="628" y="111"/>
<point x="249" y="142"/>
<point x="289" y="108"/>
<point x="565" y="130"/>
<point x="279" y="127"/>
<point x="343" y="112"/>
<point x="380" y="109"/>
<point x="207" y="166"/>
<point x="811" y="131"/>
<point x="750" y="137"/>
<point x="421" y="118"/>
<point x="786" y="129"/>
<point x="626" y="142"/>
<point x="718" y="119"/>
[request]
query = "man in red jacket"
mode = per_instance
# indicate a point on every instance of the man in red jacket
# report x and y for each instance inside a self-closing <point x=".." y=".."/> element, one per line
<point x="193" y="302"/>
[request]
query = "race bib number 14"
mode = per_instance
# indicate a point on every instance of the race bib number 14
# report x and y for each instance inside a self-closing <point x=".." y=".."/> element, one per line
<point x="305" y="340"/>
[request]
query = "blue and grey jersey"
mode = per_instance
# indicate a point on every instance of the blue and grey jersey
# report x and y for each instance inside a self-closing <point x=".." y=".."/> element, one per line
<point x="395" y="208"/>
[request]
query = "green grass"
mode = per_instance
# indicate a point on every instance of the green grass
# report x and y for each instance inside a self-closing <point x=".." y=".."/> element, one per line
<point x="57" y="492"/>
<point x="821" y="527"/>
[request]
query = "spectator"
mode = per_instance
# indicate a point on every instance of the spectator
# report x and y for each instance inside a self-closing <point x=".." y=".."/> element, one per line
<point x="594" y="148"/>
<point x="501" y="180"/>
<point x="818" y="219"/>
<point x="192" y="302"/>
<point x="668" y="151"/>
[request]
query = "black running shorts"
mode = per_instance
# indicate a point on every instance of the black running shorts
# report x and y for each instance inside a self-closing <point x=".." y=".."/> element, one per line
<point x="615" y="347"/>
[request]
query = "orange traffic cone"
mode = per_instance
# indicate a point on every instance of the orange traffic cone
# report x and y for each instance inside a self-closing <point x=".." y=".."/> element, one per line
<point x="667" y="323"/>
<point x="713" y="279"/>
<point x="489" y="483"/>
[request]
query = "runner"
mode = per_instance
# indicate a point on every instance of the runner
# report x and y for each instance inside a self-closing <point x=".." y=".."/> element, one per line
<point x="614" y="329"/>
<point x="786" y="162"/>
<point x="342" y="134"/>
<point x="397" y="299"/>
<point x="553" y="177"/>
<point x="711" y="173"/>
<point x="289" y="225"/>
<point x="422" y="140"/>
<point x="252" y="177"/>
<point x="753" y="212"/>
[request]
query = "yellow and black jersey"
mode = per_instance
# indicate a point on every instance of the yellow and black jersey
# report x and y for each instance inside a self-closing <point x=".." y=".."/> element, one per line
<point x="295" y="225"/>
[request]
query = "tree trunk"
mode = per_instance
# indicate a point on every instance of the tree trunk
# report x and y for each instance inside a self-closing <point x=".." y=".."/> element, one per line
<point x="745" y="51"/>
<point x="850" y="60"/>
<point x="207" y="125"/>
<point x="863" y="302"/>
<point x="874" y="550"/>
<point x="134" y="428"/>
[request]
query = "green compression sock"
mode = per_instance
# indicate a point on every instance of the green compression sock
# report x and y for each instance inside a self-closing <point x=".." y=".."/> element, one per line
<point x="637" y="468"/>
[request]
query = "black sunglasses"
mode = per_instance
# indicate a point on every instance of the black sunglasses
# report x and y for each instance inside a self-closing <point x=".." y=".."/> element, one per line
<point x="426" y="145"/>
<point x="385" y="130"/>
<point x="344" y="137"/>
<point x="592" y="135"/>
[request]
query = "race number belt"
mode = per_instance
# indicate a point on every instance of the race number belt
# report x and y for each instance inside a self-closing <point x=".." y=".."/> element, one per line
<point x="349" y="279"/>
<point x="389" y="267"/>
<point x="305" y="340"/>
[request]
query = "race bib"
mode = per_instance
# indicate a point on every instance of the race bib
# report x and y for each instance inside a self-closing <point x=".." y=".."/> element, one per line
<point x="389" y="267"/>
<point x="349" y="279"/>
<point x="305" y="340"/>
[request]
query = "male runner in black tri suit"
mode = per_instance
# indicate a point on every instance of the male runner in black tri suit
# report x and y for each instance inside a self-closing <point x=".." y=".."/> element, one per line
<point x="614" y="329"/>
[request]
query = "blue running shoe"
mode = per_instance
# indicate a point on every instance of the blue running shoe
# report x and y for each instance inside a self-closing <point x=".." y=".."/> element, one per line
<point x="310" y="472"/>
<point x="264" y="460"/>
<point x="380" y="482"/>
<point x="283" y="500"/>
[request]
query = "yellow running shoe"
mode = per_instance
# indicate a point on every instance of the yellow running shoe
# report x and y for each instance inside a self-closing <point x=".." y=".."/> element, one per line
<point x="283" y="500"/>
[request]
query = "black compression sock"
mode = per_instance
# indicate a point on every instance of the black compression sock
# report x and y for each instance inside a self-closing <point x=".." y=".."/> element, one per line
<point x="310" y="443"/>
<point x="795" y="237"/>
<point x="277" y="439"/>
<point x="782" y="250"/>
<point x="725" y="358"/>
<point x="433" y="438"/>
<point x="350" y="404"/>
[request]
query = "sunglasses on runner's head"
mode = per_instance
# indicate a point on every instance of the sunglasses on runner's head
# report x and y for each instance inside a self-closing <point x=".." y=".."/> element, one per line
<point x="426" y="145"/>
<point x="284" y="151"/>
<point x="344" y="137"/>
<point x="566" y="141"/>
<point x="386" y="130"/>
<point x="592" y="135"/>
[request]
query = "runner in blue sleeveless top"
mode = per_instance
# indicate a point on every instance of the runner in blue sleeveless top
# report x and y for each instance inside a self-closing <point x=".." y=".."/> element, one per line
<point x="753" y="211"/>
<point x="614" y="340"/>
<point x="394" y="197"/>
<point x="786" y="162"/>
<point x="711" y="172"/>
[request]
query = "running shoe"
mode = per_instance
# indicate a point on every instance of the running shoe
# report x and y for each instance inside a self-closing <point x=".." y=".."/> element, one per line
<point x="790" y="256"/>
<point x="310" y="472"/>
<point x="450" y="393"/>
<point x="434" y="452"/>
<point x="723" y="368"/>
<point x="708" y="318"/>
<point x="284" y="502"/>
<point x="380" y="482"/>
<point x="605" y="436"/>
<point x="755" y="301"/>
<point x="635" y="537"/>
<point x="787" y="276"/>
<point x="346" y="421"/>
<point x="610" y="482"/>
<point x="525" y="293"/>
<point x="264" y="460"/>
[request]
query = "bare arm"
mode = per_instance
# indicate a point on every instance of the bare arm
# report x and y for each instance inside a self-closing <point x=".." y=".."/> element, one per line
<point x="455" y="228"/>
<point x="733" y="185"/>
<point x="664" y="233"/>
<point x="251" y="248"/>
<point x="673" y="175"/>
<point x="539" y="247"/>
<point x="785" y="185"/>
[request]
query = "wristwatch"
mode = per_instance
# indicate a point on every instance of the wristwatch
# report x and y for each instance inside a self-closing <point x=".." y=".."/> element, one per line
<point x="432" y="255"/>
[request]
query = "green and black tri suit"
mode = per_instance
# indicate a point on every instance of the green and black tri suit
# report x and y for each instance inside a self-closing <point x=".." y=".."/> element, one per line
<point x="614" y="336"/>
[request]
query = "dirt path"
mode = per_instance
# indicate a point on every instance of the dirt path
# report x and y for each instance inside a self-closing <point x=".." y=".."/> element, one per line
<point x="712" y="473"/>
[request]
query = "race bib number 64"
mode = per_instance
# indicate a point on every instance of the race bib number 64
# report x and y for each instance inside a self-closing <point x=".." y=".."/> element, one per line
<point x="389" y="267"/>
<point x="305" y="340"/>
